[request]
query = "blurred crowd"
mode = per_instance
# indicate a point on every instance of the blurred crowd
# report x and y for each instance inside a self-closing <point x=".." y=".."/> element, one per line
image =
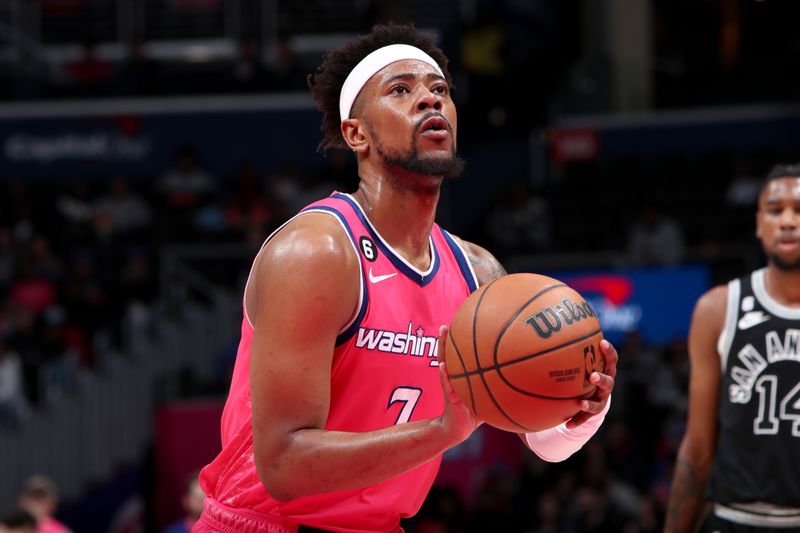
<point x="91" y="75"/>
<point x="34" y="511"/>
<point x="722" y="52"/>
<point x="80" y="259"/>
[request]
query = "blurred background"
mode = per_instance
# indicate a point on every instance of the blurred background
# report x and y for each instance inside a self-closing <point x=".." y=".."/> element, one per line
<point x="147" y="147"/>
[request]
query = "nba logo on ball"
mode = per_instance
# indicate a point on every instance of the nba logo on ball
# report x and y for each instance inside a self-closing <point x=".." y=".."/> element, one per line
<point x="591" y="364"/>
<point x="521" y="350"/>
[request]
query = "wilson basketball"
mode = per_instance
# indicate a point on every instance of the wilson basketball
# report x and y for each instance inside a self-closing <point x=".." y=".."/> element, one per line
<point x="521" y="350"/>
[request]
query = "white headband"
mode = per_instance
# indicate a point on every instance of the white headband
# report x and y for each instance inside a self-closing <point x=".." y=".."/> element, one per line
<point x="371" y="64"/>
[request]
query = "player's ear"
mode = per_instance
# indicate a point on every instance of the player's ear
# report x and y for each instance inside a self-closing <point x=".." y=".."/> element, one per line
<point x="355" y="135"/>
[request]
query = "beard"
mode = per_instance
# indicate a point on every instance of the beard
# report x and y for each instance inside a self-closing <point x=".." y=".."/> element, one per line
<point x="413" y="162"/>
<point x="445" y="167"/>
<point x="782" y="264"/>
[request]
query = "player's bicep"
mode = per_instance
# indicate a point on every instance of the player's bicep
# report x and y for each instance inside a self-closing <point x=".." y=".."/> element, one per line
<point x="307" y="289"/>
<point x="707" y="323"/>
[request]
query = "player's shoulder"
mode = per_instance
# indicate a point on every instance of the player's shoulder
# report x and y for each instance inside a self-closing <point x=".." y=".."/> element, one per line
<point x="309" y="258"/>
<point x="714" y="297"/>
<point x="313" y="235"/>
<point x="308" y="245"/>
<point x="711" y="308"/>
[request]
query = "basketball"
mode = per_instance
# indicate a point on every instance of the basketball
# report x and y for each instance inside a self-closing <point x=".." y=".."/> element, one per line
<point x="520" y="352"/>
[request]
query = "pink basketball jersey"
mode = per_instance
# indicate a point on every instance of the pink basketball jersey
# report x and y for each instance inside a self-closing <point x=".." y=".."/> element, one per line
<point x="384" y="372"/>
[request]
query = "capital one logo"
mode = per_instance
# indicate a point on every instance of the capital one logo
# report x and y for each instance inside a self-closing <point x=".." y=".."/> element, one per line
<point x="609" y="295"/>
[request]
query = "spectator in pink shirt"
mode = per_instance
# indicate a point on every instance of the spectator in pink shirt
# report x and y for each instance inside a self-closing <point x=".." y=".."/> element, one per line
<point x="40" y="498"/>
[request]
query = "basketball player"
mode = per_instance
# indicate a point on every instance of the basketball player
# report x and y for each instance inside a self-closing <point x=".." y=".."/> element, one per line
<point x="741" y="449"/>
<point x="339" y="411"/>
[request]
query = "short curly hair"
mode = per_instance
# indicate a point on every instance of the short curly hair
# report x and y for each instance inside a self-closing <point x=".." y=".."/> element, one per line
<point x="783" y="171"/>
<point x="326" y="83"/>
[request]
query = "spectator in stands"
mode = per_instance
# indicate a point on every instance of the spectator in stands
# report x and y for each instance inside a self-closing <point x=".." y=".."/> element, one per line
<point x="248" y="207"/>
<point x="655" y="239"/>
<point x="185" y="190"/>
<point x="248" y="73"/>
<point x="89" y="74"/>
<point x="549" y="512"/>
<point x="46" y="263"/>
<point x="85" y="300"/>
<point x="76" y="208"/>
<point x="284" y="187"/>
<point x="40" y="498"/>
<point x="12" y="396"/>
<point x="648" y="518"/>
<point x="7" y="257"/>
<point x="121" y="211"/>
<point x="520" y="221"/>
<point x="285" y="73"/>
<point x="31" y="290"/>
<point x="59" y="362"/>
<point x="192" y="502"/>
<point x="140" y="75"/>
<point x="593" y="512"/>
<point x="137" y="321"/>
<point x="186" y="183"/>
<point x="484" y="64"/>
<point x="17" y="203"/>
<point x="136" y="279"/>
<point x="25" y="340"/>
<point x="17" y="520"/>
<point x="493" y="511"/>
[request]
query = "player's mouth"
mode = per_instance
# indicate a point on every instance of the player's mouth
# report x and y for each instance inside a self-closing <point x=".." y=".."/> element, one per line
<point x="436" y="128"/>
<point x="788" y="243"/>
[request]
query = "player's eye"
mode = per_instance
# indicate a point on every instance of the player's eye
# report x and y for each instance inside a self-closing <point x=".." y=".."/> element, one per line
<point x="441" y="88"/>
<point x="400" y="89"/>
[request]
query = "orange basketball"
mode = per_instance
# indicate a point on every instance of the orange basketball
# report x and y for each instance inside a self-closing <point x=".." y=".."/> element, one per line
<point x="521" y="350"/>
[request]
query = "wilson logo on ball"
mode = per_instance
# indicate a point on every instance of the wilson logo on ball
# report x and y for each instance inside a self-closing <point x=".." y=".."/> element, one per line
<point x="550" y="319"/>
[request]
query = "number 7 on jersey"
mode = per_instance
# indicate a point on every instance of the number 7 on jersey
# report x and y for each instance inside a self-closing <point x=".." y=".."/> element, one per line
<point x="409" y="396"/>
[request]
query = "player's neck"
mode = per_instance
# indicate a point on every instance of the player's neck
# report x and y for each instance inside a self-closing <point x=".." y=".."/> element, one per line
<point x="403" y="216"/>
<point x="783" y="285"/>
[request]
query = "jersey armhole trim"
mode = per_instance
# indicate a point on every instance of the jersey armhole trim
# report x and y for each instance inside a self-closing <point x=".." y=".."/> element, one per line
<point x="358" y="314"/>
<point x="463" y="263"/>
<point x="349" y="329"/>
<point x="729" y="328"/>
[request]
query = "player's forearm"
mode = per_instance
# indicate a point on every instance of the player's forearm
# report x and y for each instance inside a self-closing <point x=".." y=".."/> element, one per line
<point x="559" y="443"/>
<point x="317" y="460"/>
<point x="687" y="504"/>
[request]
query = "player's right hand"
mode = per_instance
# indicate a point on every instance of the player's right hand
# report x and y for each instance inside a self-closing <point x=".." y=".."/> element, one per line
<point x="457" y="420"/>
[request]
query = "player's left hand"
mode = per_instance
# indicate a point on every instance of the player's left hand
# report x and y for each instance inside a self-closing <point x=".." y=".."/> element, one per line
<point x="605" y="384"/>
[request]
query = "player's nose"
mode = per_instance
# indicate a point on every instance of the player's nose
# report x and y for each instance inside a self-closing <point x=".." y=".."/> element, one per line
<point x="789" y="218"/>
<point x="429" y="100"/>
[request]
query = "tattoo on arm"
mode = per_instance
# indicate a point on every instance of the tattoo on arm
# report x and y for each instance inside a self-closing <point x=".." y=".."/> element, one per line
<point x="486" y="269"/>
<point x="498" y="271"/>
<point x="687" y="504"/>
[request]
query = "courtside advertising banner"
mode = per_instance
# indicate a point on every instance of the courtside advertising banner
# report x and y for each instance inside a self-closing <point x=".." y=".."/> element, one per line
<point x="656" y="302"/>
